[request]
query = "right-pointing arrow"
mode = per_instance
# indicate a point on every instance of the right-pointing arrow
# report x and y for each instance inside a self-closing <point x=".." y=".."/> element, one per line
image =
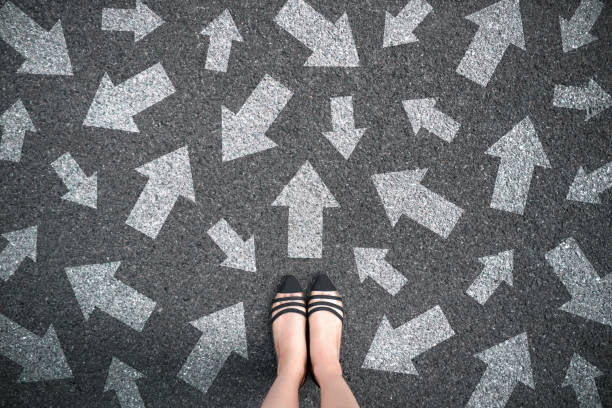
<point x="21" y="245"/>
<point x="371" y="262"/>
<point x="15" y="123"/>
<point x="587" y="187"/>
<point x="122" y="379"/>
<point x="82" y="189"/>
<point x="141" y="20"/>
<point x="575" y="32"/>
<point x="497" y="269"/>
<point x="398" y="29"/>
<point x="222" y="31"/>
<point x="422" y="113"/>
<point x="239" y="254"/>
<point x="581" y="376"/>
<point x="592" y="99"/>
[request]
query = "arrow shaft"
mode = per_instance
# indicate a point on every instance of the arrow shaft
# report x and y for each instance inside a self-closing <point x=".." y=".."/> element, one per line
<point x="129" y="396"/>
<point x="118" y="19"/>
<point x="342" y="113"/>
<point x="414" y="13"/>
<point x="151" y="210"/>
<point x="17" y="343"/>
<point x="482" y="288"/>
<point x="225" y="237"/>
<point x="573" y="97"/>
<point x="482" y="57"/>
<point x="493" y="390"/>
<point x="305" y="232"/>
<point x="442" y="125"/>
<point x="125" y="304"/>
<point x="512" y="186"/>
<point x="572" y="266"/>
<point x="10" y="258"/>
<point x="69" y="171"/>
<point x="144" y="90"/>
<point x="586" y="393"/>
<point x="203" y="364"/>
<point x="424" y="332"/>
<point x="431" y="210"/>
<point x="304" y="23"/>
<point x="586" y="14"/>
<point x="601" y="179"/>
<point x="264" y="104"/>
<point x="218" y="54"/>
<point x="19" y="30"/>
<point x="388" y="277"/>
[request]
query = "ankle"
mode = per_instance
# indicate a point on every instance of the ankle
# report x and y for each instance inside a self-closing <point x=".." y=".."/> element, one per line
<point x="329" y="369"/>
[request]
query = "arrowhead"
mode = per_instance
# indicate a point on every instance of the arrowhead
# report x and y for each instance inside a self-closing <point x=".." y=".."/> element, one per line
<point x="504" y="20"/>
<point x="395" y="31"/>
<point x="145" y="21"/>
<point x="47" y="361"/>
<point x="499" y="267"/>
<point x="107" y="111"/>
<point x="579" y="369"/>
<point x="49" y="55"/>
<point x="25" y="239"/>
<point x="173" y="172"/>
<point x="306" y="189"/>
<point x="384" y="353"/>
<point x="368" y="259"/>
<point x="598" y="100"/>
<point x="223" y="28"/>
<point x="120" y="373"/>
<point x="16" y="118"/>
<point x="225" y="330"/>
<point x="339" y="50"/>
<point x="239" y="139"/>
<point x="521" y="144"/>
<point x="89" y="283"/>
<point x="512" y="359"/>
<point x="582" y="189"/>
<point x="418" y="111"/>
<point x="345" y="141"/>
<point x="394" y="187"/>
<point x="86" y="193"/>
<point x="242" y="257"/>
<point x="571" y="37"/>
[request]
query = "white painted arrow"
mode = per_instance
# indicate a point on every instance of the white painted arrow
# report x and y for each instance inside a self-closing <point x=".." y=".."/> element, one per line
<point x="96" y="286"/>
<point x="45" y="52"/>
<point x="21" y="245"/>
<point x="398" y="29"/>
<point x="306" y="196"/>
<point x="422" y="113"/>
<point x="122" y="379"/>
<point x="587" y="187"/>
<point x="499" y="26"/>
<point x="15" y="122"/>
<point x="394" y="349"/>
<point x="332" y="43"/>
<point x="169" y="177"/>
<point x="581" y="376"/>
<point x="590" y="293"/>
<point x="42" y="358"/>
<point x="575" y="32"/>
<point x="592" y="99"/>
<point x="344" y="137"/>
<point x="141" y="20"/>
<point x="244" y="132"/>
<point x="239" y="254"/>
<point x="222" y="31"/>
<point x="401" y="192"/>
<point x="520" y="151"/>
<point x="508" y="363"/>
<point x="82" y="189"/>
<point x="114" y="107"/>
<point x="371" y="262"/>
<point x="223" y="332"/>
<point x="497" y="269"/>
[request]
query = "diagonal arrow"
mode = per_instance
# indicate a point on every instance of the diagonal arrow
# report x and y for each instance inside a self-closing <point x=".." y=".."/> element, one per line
<point x="499" y="26"/>
<point x="398" y="29"/>
<point x="590" y="294"/>
<point x="508" y="363"/>
<point x="394" y="349"/>
<point x="332" y="44"/>
<point x="371" y="262"/>
<point x="422" y="113"/>
<point x="401" y="192"/>
<point x="169" y="178"/>
<point x="306" y="196"/>
<point x="239" y="254"/>
<point x="21" y="245"/>
<point x="520" y="151"/>
<point x="344" y="136"/>
<point x="42" y="358"/>
<point x="581" y="376"/>
<point x="587" y="187"/>
<point x="244" y="132"/>
<point x="223" y="332"/>
<point x="591" y="99"/>
<point x="497" y="269"/>
<point x="122" y="379"/>
<point x="575" y="32"/>
<point x="114" y="107"/>
<point x="141" y="20"/>
<point x="15" y="122"/>
<point x="96" y="286"/>
<point x="222" y="31"/>
<point x="82" y="189"/>
<point x="45" y="52"/>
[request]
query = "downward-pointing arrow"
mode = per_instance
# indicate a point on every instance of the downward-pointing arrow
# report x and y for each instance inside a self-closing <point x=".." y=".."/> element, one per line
<point x="22" y="245"/>
<point x="499" y="26"/>
<point x="42" y="359"/>
<point x="422" y="113"/>
<point x="15" y="122"/>
<point x="222" y="31"/>
<point x="394" y="349"/>
<point x="223" y="332"/>
<point x="96" y="286"/>
<point x="332" y="43"/>
<point x="122" y="379"/>
<point x="371" y="262"/>
<point x="398" y="29"/>
<point x="141" y="20"/>
<point x="244" y="132"/>
<point x="581" y="376"/>
<point x="45" y="52"/>
<point x="344" y="137"/>
<point x="306" y="196"/>
<point x="169" y="178"/>
<point x="587" y="187"/>
<point x="520" y="151"/>
<point x="240" y="254"/>
<point x="591" y="99"/>
<point x="497" y="269"/>
<point x="575" y="32"/>
<point x="82" y="189"/>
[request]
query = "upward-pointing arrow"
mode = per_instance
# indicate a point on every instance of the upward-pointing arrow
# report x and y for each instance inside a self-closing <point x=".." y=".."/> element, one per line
<point x="497" y="269"/>
<point x="499" y="26"/>
<point x="82" y="189"/>
<point x="45" y="52"/>
<point x="141" y="20"/>
<point x="344" y="137"/>
<point x="240" y="254"/>
<point x="508" y="364"/>
<point x="592" y="99"/>
<point x="398" y="29"/>
<point x="587" y="187"/>
<point x="371" y="262"/>
<point x="22" y="245"/>
<point x="169" y="178"/>
<point x="422" y="113"/>
<point x="306" y="196"/>
<point x="122" y="379"/>
<point x="575" y="32"/>
<point x="222" y="31"/>
<point x="520" y="151"/>
<point x="332" y="43"/>
<point x="15" y="122"/>
<point x="581" y="376"/>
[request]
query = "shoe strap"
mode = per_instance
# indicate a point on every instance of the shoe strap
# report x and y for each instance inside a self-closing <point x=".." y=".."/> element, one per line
<point x="335" y="305"/>
<point x="326" y="309"/>
<point x="282" y="299"/>
<point x="282" y="305"/>
<point x="325" y="297"/>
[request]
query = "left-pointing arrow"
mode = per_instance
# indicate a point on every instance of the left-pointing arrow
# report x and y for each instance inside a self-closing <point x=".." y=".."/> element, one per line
<point x="587" y="187"/>
<point x="82" y="189"/>
<point x="122" y="379"/>
<point x="141" y="20"/>
<point x="21" y="245"/>
<point x="15" y="123"/>
<point x="422" y="113"/>
<point x="371" y="262"/>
